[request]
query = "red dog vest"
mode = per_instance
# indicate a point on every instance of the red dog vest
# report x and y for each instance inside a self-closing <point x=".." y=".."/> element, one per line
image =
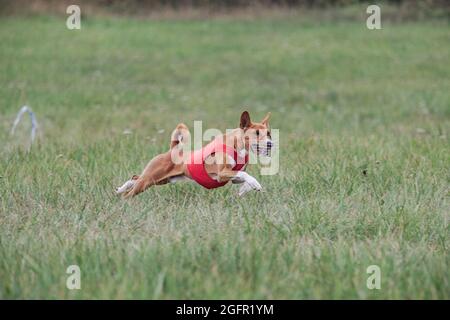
<point x="197" y="169"/>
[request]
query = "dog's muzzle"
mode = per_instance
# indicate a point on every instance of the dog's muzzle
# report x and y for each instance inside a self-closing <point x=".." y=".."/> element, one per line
<point x="263" y="148"/>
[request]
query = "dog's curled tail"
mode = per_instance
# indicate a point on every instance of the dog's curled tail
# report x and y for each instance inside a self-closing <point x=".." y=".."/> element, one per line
<point x="179" y="135"/>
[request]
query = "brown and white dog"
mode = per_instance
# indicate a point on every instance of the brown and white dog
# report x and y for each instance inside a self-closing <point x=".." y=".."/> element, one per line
<point x="221" y="161"/>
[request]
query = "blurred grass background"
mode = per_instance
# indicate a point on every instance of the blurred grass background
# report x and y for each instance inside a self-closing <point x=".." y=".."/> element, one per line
<point x="364" y="123"/>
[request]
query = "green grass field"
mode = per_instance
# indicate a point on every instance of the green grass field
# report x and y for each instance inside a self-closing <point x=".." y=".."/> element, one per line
<point x="347" y="101"/>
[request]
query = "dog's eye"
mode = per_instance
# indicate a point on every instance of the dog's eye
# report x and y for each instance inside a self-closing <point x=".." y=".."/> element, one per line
<point x="257" y="132"/>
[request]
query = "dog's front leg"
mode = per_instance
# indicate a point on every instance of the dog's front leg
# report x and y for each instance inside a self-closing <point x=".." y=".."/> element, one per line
<point x="244" y="188"/>
<point x="248" y="182"/>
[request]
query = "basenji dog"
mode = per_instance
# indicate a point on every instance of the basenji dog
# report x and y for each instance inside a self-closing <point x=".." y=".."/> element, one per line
<point x="222" y="160"/>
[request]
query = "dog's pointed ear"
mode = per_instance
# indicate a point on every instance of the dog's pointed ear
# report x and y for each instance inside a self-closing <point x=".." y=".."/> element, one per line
<point x="245" y="120"/>
<point x="265" y="121"/>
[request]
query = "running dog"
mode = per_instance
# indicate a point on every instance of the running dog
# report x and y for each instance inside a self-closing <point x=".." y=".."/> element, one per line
<point x="222" y="160"/>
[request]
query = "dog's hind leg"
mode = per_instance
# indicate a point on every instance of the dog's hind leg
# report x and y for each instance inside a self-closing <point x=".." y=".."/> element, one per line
<point x="127" y="185"/>
<point x="162" y="167"/>
<point x="157" y="172"/>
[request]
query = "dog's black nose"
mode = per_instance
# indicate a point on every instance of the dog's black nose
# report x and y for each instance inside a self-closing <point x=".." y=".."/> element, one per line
<point x="269" y="144"/>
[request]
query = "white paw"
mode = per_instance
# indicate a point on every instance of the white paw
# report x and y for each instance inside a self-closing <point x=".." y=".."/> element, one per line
<point x="253" y="183"/>
<point x="249" y="184"/>
<point x="125" y="187"/>
<point x="245" y="187"/>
